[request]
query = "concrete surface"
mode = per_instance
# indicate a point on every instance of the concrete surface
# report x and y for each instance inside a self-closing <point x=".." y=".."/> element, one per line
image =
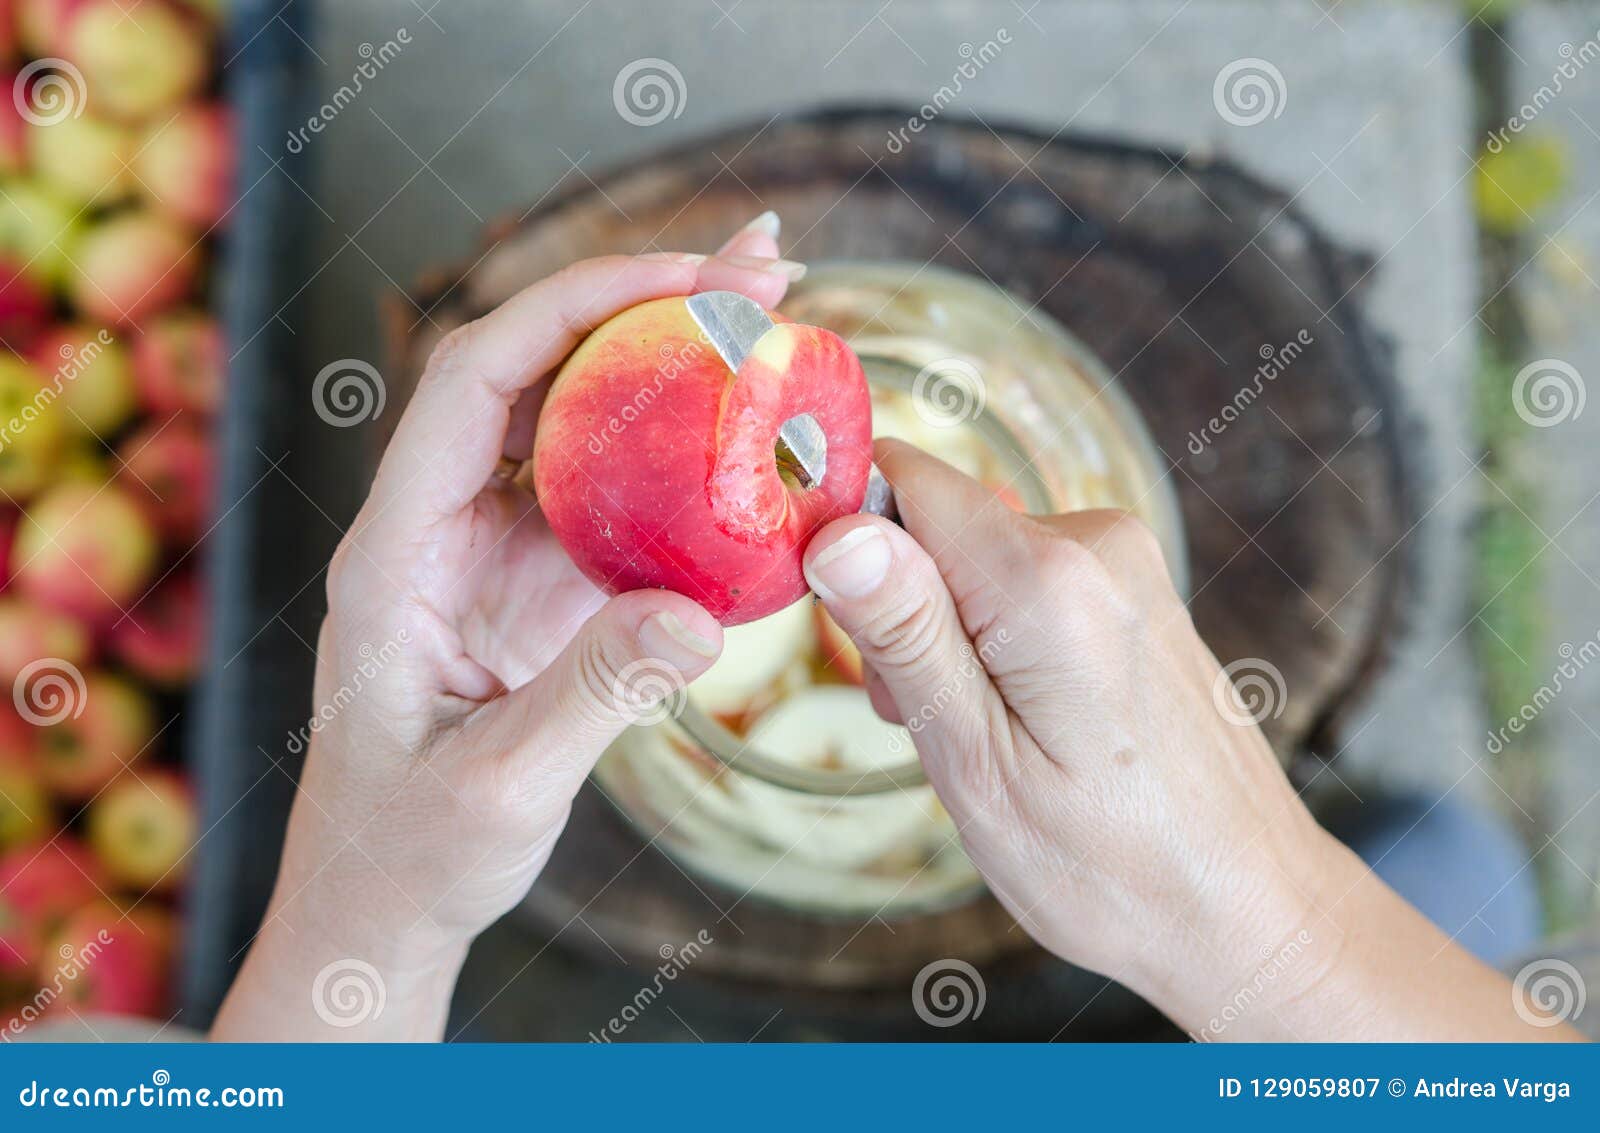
<point x="1560" y="289"/>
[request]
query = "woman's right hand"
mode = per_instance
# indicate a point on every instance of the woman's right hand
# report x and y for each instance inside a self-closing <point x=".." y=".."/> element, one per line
<point x="1107" y="782"/>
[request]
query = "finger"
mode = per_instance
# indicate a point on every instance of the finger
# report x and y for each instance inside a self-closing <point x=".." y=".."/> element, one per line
<point x="453" y="432"/>
<point x="1000" y="567"/>
<point x="881" y="699"/>
<point x="639" y="649"/>
<point x="760" y="277"/>
<point x="757" y="238"/>
<point x="886" y="593"/>
<point x="524" y="422"/>
<point x="756" y="242"/>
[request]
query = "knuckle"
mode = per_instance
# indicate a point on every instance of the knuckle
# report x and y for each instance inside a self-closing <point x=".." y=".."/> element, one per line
<point x="342" y="588"/>
<point x="1085" y="599"/>
<point x="903" y="633"/>
<point x="595" y="697"/>
<point x="1069" y="561"/>
<point x="452" y="348"/>
<point x="1131" y="537"/>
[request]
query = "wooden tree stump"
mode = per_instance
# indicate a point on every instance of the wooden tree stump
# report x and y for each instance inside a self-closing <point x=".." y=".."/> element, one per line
<point x="1182" y="276"/>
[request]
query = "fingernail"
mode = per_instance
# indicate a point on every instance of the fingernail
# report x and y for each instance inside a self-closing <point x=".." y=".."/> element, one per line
<point x="674" y="257"/>
<point x="789" y="269"/>
<point x="853" y="567"/>
<point x="767" y="224"/>
<point x="664" y="636"/>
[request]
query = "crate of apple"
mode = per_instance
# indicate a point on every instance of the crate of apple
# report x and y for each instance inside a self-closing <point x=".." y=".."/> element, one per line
<point x="116" y="163"/>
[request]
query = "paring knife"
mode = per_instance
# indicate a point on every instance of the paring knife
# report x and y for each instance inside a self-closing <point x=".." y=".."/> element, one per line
<point x="733" y="325"/>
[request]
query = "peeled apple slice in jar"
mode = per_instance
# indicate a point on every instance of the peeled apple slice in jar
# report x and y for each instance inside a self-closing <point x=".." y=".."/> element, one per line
<point x="830" y="728"/>
<point x="754" y="655"/>
<point x="833" y="727"/>
<point x="836" y="649"/>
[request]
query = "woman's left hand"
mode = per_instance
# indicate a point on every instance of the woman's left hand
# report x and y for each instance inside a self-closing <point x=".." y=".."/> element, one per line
<point x="468" y="676"/>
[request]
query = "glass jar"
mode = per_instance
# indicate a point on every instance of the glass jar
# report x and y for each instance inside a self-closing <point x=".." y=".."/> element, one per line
<point x="773" y="775"/>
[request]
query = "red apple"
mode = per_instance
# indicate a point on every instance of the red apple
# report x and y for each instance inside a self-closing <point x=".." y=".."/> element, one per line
<point x="29" y="632"/>
<point x="109" y="727"/>
<point x="179" y="362"/>
<point x="40" y="886"/>
<point x="16" y="736"/>
<point x="655" y="465"/>
<point x="8" y="30"/>
<point x="132" y="265"/>
<point x="163" y="639"/>
<point x="84" y="462"/>
<point x="84" y="549"/>
<point x="31" y="433"/>
<point x="208" y="10"/>
<point x="43" y="884"/>
<point x="84" y="158"/>
<point x="9" y="518"/>
<point x="142" y="828"/>
<point x="19" y="959"/>
<point x="24" y="307"/>
<point x="185" y="164"/>
<point x="25" y="811"/>
<point x="42" y="25"/>
<point x="138" y="57"/>
<point x="838" y="652"/>
<point x="95" y="375"/>
<point x="111" y="962"/>
<point x="13" y="128"/>
<point x="168" y="469"/>
<point x="39" y="229"/>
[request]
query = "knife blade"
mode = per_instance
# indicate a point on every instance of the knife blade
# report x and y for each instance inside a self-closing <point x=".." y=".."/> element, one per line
<point x="733" y="324"/>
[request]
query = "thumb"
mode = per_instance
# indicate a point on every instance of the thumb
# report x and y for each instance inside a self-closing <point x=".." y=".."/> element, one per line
<point x="886" y="593"/>
<point x="630" y="663"/>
